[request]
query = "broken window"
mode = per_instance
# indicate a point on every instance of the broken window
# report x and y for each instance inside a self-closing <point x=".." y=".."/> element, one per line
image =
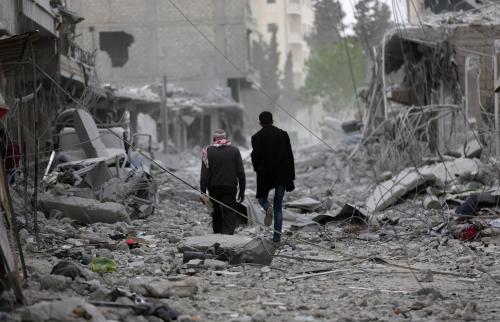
<point x="271" y="27"/>
<point x="116" y="44"/>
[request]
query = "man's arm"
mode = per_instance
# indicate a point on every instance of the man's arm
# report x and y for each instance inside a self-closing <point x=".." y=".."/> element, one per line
<point x="290" y="155"/>
<point x="255" y="155"/>
<point x="240" y="172"/>
<point x="204" y="175"/>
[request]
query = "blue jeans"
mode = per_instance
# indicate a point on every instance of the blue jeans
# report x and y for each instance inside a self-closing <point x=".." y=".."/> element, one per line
<point x="279" y="193"/>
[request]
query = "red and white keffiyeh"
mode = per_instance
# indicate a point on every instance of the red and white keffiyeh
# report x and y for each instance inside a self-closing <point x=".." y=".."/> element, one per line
<point x="217" y="143"/>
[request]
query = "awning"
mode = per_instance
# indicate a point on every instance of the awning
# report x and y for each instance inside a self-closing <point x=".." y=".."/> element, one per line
<point x="12" y="50"/>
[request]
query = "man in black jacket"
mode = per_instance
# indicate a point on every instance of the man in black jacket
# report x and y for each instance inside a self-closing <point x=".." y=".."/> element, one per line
<point x="221" y="173"/>
<point x="272" y="160"/>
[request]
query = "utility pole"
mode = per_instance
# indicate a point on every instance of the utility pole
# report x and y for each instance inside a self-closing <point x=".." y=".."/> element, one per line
<point x="164" y="115"/>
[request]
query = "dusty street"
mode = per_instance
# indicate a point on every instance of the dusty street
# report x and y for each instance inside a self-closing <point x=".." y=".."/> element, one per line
<point x="391" y="269"/>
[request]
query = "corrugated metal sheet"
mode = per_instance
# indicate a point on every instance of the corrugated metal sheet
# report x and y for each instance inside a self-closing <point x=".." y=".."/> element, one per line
<point x="12" y="50"/>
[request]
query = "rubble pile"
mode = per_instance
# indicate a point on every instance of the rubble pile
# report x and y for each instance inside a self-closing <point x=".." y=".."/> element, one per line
<point x="336" y="249"/>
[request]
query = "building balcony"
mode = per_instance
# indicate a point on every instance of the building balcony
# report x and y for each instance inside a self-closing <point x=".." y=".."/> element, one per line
<point x="293" y="8"/>
<point x="295" y="38"/>
<point x="76" y="63"/>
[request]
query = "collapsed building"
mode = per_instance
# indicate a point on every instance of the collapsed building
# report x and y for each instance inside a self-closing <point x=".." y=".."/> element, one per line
<point x="433" y="89"/>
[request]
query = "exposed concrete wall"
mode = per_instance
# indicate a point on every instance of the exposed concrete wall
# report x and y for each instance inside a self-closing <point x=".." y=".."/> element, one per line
<point x="164" y="42"/>
<point x="8" y="16"/>
<point x="477" y="39"/>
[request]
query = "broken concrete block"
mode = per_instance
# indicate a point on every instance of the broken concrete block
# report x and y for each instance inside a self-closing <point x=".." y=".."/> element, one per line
<point x="384" y="176"/>
<point x="88" y="134"/>
<point x="449" y="171"/>
<point x="234" y="249"/>
<point x="214" y="264"/>
<point x="471" y="149"/>
<point x="307" y="204"/>
<point x="202" y="243"/>
<point x="56" y="283"/>
<point x="432" y="202"/>
<point x="259" y="251"/>
<point x="97" y="175"/>
<point x="194" y="263"/>
<point x="84" y="210"/>
<point x="68" y="310"/>
<point x="162" y="288"/>
<point x="391" y="191"/>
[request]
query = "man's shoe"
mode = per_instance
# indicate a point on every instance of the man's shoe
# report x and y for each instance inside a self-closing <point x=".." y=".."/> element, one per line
<point x="268" y="220"/>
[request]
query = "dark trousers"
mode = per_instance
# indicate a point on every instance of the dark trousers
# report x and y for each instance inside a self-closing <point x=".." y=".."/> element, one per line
<point x="225" y="220"/>
<point x="279" y="194"/>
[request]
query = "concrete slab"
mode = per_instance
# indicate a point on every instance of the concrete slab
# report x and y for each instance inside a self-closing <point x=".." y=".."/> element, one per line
<point x="98" y="175"/>
<point x="88" y="134"/>
<point x="163" y="288"/>
<point x="202" y="243"/>
<point x="450" y="171"/>
<point x="307" y="204"/>
<point x="61" y="310"/>
<point x="391" y="191"/>
<point x="83" y="209"/>
<point x="236" y="248"/>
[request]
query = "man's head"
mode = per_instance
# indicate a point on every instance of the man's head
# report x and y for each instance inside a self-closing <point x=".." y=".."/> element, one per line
<point x="219" y="134"/>
<point x="266" y="118"/>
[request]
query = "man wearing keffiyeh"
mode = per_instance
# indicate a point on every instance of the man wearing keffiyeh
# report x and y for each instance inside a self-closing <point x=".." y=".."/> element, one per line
<point x="222" y="173"/>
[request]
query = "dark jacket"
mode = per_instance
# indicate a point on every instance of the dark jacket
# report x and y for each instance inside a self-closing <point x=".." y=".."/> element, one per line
<point x="272" y="159"/>
<point x="225" y="169"/>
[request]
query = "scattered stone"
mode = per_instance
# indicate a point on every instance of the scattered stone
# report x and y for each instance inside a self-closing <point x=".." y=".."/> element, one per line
<point x="56" y="283"/>
<point x="161" y="288"/>
<point x="68" y="310"/>
<point x="426" y="276"/>
<point x="214" y="264"/>
<point x="432" y="202"/>
<point x="259" y="316"/>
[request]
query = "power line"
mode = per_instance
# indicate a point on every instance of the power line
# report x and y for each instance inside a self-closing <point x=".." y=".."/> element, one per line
<point x="250" y="80"/>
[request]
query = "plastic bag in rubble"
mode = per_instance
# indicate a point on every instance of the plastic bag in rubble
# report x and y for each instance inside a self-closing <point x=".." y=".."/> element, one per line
<point x="103" y="265"/>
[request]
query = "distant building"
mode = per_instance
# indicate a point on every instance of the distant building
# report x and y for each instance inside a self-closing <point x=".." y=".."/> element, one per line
<point x="294" y="20"/>
<point x="138" y="41"/>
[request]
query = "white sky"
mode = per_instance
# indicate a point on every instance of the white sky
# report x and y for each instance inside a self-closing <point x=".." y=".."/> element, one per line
<point x="347" y="5"/>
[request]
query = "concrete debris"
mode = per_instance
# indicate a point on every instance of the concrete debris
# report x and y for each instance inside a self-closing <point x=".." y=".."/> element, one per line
<point x="164" y="288"/>
<point x="442" y="175"/>
<point x="471" y="149"/>
<point x="432" y="202"/>
<point x="97" y="175"/>
<point x="84" y="210"/>
<point x="391" y="191"/>
<point x="451" y="171"/>
<point x="68" y="310"/>
<point x="88" y="134"/>
<point x="305" y="204"/>
<point x="232" y="248"/>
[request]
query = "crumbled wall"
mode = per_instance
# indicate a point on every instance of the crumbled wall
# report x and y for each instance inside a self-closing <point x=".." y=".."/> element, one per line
<point x="476" y="39"/>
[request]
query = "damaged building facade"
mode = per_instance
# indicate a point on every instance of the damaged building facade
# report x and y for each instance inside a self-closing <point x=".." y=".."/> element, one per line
<point x="151" y="39"/>
<point x="433" y="87"/>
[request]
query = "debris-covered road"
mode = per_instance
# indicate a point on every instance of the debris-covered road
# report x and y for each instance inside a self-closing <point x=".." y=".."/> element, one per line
<point x="399" y="264"/>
